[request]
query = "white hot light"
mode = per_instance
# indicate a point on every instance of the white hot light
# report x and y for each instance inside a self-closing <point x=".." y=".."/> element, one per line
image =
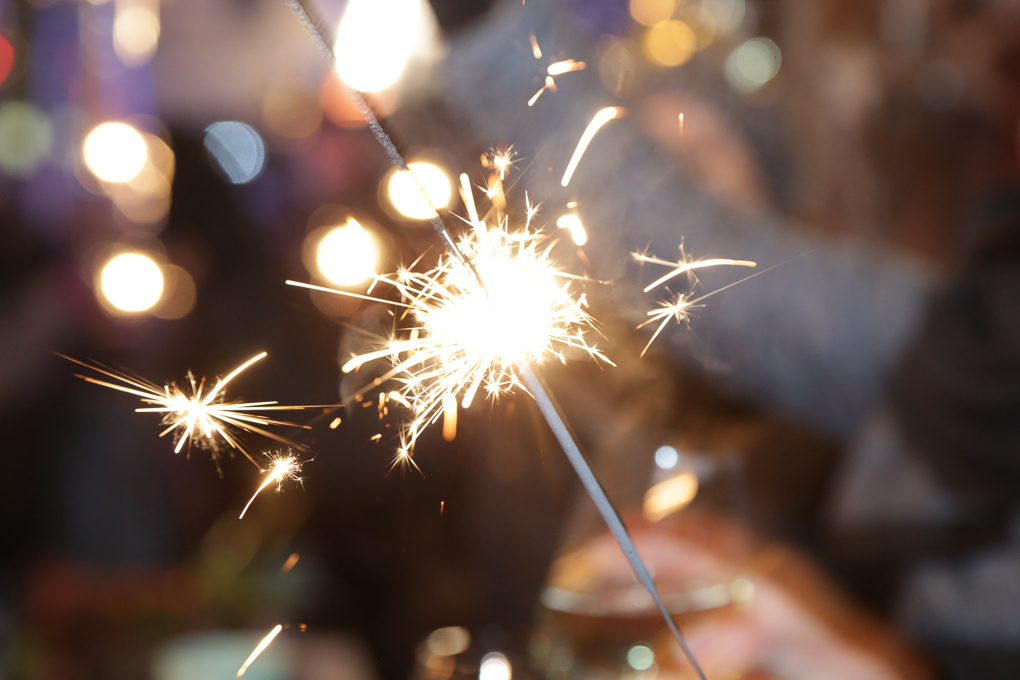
<point x="131" y="282"/>
<point x="494" y="666"/>
<point x="347" y="255"/>
<point x="404" y="190"/>
<point x="115" y="152"/>
<point x="376" y="40"/>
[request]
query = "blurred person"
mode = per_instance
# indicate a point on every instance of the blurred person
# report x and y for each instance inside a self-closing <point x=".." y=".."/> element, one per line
<point x="833" y="336"/>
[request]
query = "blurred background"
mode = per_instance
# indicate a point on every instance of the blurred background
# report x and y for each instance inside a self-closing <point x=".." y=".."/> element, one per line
<point x="165" y="165"/>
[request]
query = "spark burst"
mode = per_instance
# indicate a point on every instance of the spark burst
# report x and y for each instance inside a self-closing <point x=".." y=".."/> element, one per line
<point x="556" y="68"/>
<point x="471" y="325"/>
<point x="282" y="467"/>
<point x="195" y="416"/>
<point x="677" y="306"/>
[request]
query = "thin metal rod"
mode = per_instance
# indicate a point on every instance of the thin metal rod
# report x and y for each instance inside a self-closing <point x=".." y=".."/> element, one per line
<point x="318" y="36"/>
<point x="551" y="413"/>
<point x="545" y="402"/>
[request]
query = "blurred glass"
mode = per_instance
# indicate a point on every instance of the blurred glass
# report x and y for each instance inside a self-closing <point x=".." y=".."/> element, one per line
<point x="596" y="619"/>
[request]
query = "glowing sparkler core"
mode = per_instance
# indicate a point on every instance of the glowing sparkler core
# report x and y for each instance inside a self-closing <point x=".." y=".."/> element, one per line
<point x="198" y="417"/>
<point x="474" y="324"/>
<point x="282" y="467"/>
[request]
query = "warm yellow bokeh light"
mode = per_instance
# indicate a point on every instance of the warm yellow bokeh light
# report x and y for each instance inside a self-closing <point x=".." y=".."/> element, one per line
<point x="670" y="43"/>
<point x="376" y="40"/>
<point x="131" y="282"/>
<point x="405" y="191"/>
<point x="667" y="497"/>
<point x="347" y="255"/>
<point x="115" y="152"/>
<point x="651" y="12"/>
<point x="135" y="33"/>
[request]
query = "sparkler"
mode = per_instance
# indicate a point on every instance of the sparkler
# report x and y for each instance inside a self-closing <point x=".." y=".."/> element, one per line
<point x="200" y="418"/>
<point x="470" y="328"/>
<point x="546" y="405"/>
<point x="282" y="467"/>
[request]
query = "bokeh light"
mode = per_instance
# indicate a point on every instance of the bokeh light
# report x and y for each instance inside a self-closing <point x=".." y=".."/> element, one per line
<point x="346" y="255"/>
<point x="376" y="40"/>
<point x="237" y="149"/>
<point x="666" y="457"/>
<point x="6" y="58"/>
<point x="131" y="282"/>
<point x="145" y="198"/>
<point x="702" y="22"/>
<point x="618" y="67"/>
<point x="753" y="64"/>
<point x="640" y="657"/>
<point x="494" y="666"/>
<point x="136" y="32"/>
<point x="404" y="191"/>
<point x="448" y="641"/>
<point x="670" y="43"/>
<point x="291" y="108"/>
<point x="728" y="14"/>
<point x="669" y="496"/>
<point x="338" y="104"/>
<point x="651" y="12"/>
<point x="115" y="152"/>
<point x="179" y="294"/>
<point x="26" y="138"/>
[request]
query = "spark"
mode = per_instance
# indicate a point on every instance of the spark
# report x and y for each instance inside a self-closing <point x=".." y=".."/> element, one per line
<point x="335" y="424"/>
<point x="290" y="563"/>
<point x="600" y="119"/>
<point x="685" y="266"/>
<point x="535" y="49"/>
<point x="681" y="128"/>
<point x="573" y="224"/>
<point x="469" y="326"/>
<point x="449" y="418"/>
<point x="566" y="66"/>
<point x="281" y="467"/>
<point x="678" y="306"/>
<point x="550" y="84"/>
<point x="502" y="162"/>
<point x="196" y="416"/>
<point x="261" y="647"/>
<point x="557" y="68"/>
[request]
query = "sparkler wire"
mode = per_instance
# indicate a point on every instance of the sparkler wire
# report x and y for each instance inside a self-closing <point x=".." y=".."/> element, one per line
<point x="561" y="430"/>
<point x="534" y="384"/>
<point x="318" y="37"/>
